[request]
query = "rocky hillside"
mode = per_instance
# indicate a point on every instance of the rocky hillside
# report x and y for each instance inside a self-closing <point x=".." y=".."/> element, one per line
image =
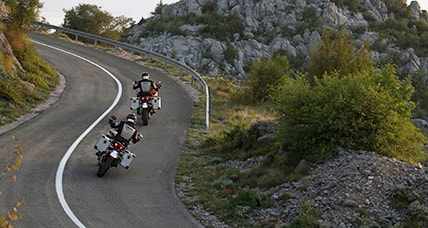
<point x="224" y="36"/>
<point x="25" y="79"/>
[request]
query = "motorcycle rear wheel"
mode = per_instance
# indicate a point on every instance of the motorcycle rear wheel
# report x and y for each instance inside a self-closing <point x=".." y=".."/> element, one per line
<point x="104" y="166"/>
<point x="145" y="116"/>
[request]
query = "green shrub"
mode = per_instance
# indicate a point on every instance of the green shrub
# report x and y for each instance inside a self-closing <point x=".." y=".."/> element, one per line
<point x="398" y="7"/>
<point x="368" y="110"/>
<point x="220" y="27"/>
<point x="336" y="53"/>
<point x="265" y="74"/>
<point x="420" y="97"/>
<point x="17" y="94"/>
<point x="310" y="21"/>
<point x="406" y="32"/>
<point x="307" y="218"/>
<point x="353" y="5"/>
<point x="230" y="54"/>
<point x="249" y="198"/>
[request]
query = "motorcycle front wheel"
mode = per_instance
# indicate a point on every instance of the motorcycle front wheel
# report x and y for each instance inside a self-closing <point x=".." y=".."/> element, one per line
<point x="104" y="166"/>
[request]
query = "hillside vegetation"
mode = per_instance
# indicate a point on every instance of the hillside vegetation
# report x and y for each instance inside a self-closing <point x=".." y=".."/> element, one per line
<point x="227" y="36"/>
<point x="270" y="131"/>
<point x="25" y="79"/>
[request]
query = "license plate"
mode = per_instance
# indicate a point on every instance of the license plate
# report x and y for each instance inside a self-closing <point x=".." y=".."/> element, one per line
<point x="114" y="154"/>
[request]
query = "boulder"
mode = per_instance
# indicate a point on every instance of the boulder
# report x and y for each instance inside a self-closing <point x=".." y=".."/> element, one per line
<point x="421" y="124"/>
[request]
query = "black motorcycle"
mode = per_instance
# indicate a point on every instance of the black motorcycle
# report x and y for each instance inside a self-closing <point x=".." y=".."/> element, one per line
<point x="116" y="154"/>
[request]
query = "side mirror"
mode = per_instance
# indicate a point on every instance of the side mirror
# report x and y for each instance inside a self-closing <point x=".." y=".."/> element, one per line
<point x="140" y="136"/>
<point x="159" y="84"/>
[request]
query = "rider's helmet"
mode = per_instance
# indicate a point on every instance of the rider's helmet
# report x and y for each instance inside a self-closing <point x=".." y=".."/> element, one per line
<point x="131" y="118"/>
<point x="145" y="76"/>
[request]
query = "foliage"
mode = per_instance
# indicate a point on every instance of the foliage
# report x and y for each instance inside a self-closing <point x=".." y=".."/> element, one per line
<point x="21" y="89"/>
<point x="214" y="25"/>
<point x="264" y="75"/>
<point x="336" y="53"/>
<point x="367" y="110"/>
<point x="221" y="189"/>
<point x="353" y="5"/>
<point x="92" y="19"/>
<point x="221" y="27"/>
<point x="403" y="29"/>
<point x="22" y="13"/>
<point x="398" y="7"/>
<point x="230" y="54"/>
<point x="158" y="9"/>
<point x="420" y="97"/>
<point x="311" y="21"/>
<point x="307" y="218"/>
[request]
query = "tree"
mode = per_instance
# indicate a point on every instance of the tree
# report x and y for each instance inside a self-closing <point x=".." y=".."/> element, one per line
<point x="158" y="9"/>
<point x="92" y="19"/>
<point x="22" y="13"/>
<point x="88" y="18"/>
<point x="336" y="53"/>
<point x="264" y="75"/>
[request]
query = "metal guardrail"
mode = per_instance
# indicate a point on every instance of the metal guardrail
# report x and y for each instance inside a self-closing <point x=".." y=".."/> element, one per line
<point x="99" y="39"/>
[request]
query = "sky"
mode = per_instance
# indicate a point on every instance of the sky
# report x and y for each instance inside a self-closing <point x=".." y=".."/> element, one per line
<point x="53" y="9"/>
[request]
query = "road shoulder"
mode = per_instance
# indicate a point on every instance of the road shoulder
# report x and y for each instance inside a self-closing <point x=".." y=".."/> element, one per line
<point x="54" y="97"/>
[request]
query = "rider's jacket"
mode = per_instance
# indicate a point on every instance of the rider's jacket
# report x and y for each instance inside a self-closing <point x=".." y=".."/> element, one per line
<point x="146" y="87"/>
<point x="125" y="132"/>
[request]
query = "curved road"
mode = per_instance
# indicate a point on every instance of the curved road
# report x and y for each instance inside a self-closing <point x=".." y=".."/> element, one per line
<point x="140" y="197"/>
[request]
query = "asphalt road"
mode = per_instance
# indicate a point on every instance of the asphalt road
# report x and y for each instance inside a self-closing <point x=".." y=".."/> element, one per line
<point x="140" y="197"/>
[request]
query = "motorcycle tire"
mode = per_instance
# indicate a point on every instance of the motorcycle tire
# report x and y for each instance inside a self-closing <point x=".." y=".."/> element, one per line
<point x="104" y="166"/>
<point x="145" y="116"/>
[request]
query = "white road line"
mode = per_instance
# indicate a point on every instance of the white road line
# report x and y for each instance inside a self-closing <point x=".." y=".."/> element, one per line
<point x="64" y="160"/>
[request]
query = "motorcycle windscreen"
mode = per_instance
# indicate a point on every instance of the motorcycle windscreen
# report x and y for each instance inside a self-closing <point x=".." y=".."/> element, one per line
<point x="146" y="87"/>
<point x="127" y="132"/>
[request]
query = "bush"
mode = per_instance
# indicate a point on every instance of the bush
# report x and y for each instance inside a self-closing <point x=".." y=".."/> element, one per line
<point x="353" y="5"/>
<point x="20" y="89"/>
<point x="264" y="75"/>
<point x="336" y="53"/>
<point x="368" y="110"/>
<point x="311" y="20"/>
<point x="230" y="54"/>
<point x="406" y="32"/>
<point x="420" y="97"/>
<point x="220" y="27"/>
<point x="307" y="218"/>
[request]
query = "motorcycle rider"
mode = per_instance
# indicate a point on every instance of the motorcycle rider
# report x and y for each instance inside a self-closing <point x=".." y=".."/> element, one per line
<point x="126" y="131"/>
<point x="146" y="86"/>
